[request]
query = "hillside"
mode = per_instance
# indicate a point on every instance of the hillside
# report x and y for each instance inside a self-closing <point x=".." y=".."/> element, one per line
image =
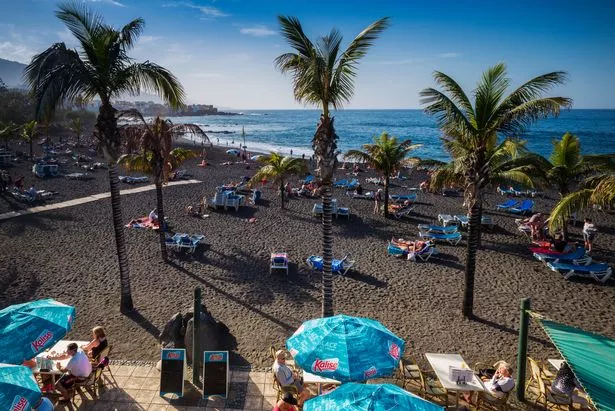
<point x="10" y="73"/>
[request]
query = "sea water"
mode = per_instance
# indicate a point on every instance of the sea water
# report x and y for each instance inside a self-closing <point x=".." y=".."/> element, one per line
<point x="286" y="130"/>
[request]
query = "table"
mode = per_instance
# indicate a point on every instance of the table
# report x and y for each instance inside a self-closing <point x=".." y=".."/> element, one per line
<point x="309" y="378"/>
<point x="58" y="348"/>
<point x="441" y="363"/>
<point x="556" y="363"/>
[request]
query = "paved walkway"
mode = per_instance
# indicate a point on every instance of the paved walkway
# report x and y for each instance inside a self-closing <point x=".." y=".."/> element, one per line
<point x="137" y="388"/>
<point x="83" y="200"/>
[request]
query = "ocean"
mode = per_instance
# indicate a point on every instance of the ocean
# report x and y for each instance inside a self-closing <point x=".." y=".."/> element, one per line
<point x="286" y="130"/>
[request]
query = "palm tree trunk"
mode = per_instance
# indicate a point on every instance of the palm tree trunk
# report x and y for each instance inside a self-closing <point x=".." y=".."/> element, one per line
<point x="163" y="228"/>
<point x="474" y="228"/>
<point x="126" y="304"/>
<point x="327" y="251"/>
<point x="386" y="195"/>
<point x="282" y="193"/>
<point x="106" y="126"/>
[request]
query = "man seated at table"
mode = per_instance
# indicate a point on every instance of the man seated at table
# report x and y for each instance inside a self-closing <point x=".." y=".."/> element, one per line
<point x="77" y="369"/>
<point x="286" y="376"/>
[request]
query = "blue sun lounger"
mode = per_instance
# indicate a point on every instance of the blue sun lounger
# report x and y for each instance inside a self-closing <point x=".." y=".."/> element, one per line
<point x="598" y="271"/>
<point x="451" y="238"/>
<point x="577" y="257"/>
<point x="507" y="205"/>
<point x="337" y="266"/>
<point x="525" y="208"/>
<point x="428" y="228"/>
<point x="341" y="183"/>
<point x="400" y="199"/>
<point x="353" y="184"/>
<point x="308" y="179"/>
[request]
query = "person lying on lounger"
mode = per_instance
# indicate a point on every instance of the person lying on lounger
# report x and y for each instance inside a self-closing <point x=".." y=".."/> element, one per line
<point x="410" y="246"/>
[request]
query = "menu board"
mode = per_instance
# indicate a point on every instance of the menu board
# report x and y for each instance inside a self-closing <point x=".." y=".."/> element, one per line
<point x="215" y="373"/>
<point x="172" y="371"/>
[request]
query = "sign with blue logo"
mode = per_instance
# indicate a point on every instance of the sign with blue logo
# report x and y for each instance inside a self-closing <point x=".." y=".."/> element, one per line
<point x="172" y="371"/>
<point x="215" y="373"/>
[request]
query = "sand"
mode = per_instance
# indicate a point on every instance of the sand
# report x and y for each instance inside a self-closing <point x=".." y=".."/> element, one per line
<point x="69" y="255"/>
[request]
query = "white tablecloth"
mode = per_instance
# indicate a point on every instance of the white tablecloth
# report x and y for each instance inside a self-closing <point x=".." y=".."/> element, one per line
<point x="441" y="363"/>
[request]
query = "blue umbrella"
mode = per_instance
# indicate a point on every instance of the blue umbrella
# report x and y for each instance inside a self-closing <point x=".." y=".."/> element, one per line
<point x="346" y="348"/>
<point x="232" y="151"/>
<point x="30" y="328"/>
<point x="372" y="397"/>
<point x="18" y="388"/>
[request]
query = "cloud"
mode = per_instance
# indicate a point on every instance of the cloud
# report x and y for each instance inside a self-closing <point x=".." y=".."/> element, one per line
<point x="113" y="2"/>
<point x="257" y="31"/>
<point x="208" y="11"/>
<point x="448" y="55"/>
<point x="16" y="52"/>
<point x="148" y="39"/>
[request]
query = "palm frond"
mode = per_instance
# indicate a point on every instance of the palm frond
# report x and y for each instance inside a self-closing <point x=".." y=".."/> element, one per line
<point x="572" y="203"/>
<point x="516" y="120"/>
<point x="130" y="32"/>
<point x="136" y="162"/>
<point x="455" y="93"/>
<point x="81" y="21"/>
<point x="450" y="118"/>
<point x="444" y="177"/>
<point x="151" y="78"/>
<point x="489" y="93"/>
<point x="604" y="193"/>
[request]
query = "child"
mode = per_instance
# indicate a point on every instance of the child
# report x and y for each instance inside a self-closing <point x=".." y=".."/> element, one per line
<point x="589" y="233"/>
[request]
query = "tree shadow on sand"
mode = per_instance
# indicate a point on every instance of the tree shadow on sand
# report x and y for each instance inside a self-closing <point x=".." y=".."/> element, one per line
<point x="143" y="322"/>
<point x="284" y="325"/>
<point x="35" y="220"/>
<point x="509" y="330"/>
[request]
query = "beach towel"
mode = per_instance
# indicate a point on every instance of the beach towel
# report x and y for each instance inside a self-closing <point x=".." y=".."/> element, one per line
<point x="143" y="222"/>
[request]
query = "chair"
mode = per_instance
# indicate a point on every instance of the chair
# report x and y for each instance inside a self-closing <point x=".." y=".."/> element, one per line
<point x="400" y="212"/>
<point x="341" y="183"/>
<point x="451" y="238"/>
<point x="487" y="401"/>
<point x="598" y="271"/>
<point x="308" y="179"/>
<point x="539" y="386"/>
<point x="429" y="228"/>
<point x="352" y="184"/>
<point x="431" y="388"/>
<point x="92" y="383"/>
<point x="410" y="374"/>
<point x="279" y="261"/>
<point x="577" y="256"/>
<point x="402" y="198"/>
<point x="337" y="266"/>
<point x="525" y="208"/>
<point x="343" y="212"/>
<point x="508" y="204"/>
<point x="283" y="389"/>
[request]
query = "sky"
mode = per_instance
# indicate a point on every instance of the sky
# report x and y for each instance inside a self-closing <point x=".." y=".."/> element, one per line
<point x="222" y="51"/>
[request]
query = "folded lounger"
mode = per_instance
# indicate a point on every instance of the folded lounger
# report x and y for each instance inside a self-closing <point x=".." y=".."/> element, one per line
<point x="598" y="271"/>
<point x="577" y="256"/>
<point x="279" y="261"/>
<point x="133" y="180"/>
<point x="337" y="266"/>
<point x="451" y="238"/>
<point x="429" y="228"/>
<point x="525" y="208"/>
<point x="508" y="204"/>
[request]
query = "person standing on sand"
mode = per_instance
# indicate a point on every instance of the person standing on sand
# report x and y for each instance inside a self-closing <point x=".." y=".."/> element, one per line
<point x="589" y="233"/>
<point x="378" y="201"/>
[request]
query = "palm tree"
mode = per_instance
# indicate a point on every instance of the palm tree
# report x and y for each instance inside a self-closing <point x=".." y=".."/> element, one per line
<point x="8" y="132"/>
<point x="103" y="69"/>
<point x="29" y="133"/>
<point x="566" y="165"/>
<point x="598" y="189"/>
<point x="476" y="127"/>
<point x="323" y="75"/>
<point x="157" y="157"/>
<point x="385" y="155"/>
<point x="278" y="169"/>
<point x="77" y="128"/>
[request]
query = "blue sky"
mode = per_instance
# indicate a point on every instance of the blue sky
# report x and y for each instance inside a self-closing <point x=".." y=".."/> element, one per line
<point x="223" y="50"/>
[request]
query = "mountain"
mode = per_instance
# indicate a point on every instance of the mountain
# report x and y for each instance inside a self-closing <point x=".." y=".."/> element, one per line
<point x="10" y="73"/>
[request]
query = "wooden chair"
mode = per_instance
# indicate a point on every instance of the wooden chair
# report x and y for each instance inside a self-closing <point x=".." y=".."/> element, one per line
<point x="541" y="388"/>
<point x="431" y="388"/>
<point x="282" y="389"/>
<point x="409" y="374"/>
<point x="485" y="400"/>
<point x="90" y="384"/>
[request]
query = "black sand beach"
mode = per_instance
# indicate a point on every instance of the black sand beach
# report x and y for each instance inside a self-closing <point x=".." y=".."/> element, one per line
<point x="69" y="255"/>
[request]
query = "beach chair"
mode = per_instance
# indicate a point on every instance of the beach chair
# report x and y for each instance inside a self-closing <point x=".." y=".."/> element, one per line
<point x="576" y="256"/>
<point x="403" y="198"/>
<point x="508" y="204"/>
<point x="598" y="271"/>
<point x="353" y="184"/>
<point x="437" y="228"/>
<point x="279" y="261"/>
<point x="446" y="219"/>
<point x="308" y="179"/>
<point x="424" y="253"/>
<point x="341" y="183"/>
<point x="525" y="208"/>
<point x="400" y="212"/>
<point x="343" y="212"/>
<point x="317" y="209"/>
<point x="464" y="220"/>
<point x="409" y="374"/>
<point x="451" y="238"/>
<point x="337" y="266"/>
<point x="505" y="191"/>
<point x="133" y="180"/>
<point x="188" y="242"/>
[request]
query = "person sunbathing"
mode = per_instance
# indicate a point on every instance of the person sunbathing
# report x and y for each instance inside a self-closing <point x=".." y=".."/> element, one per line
<point x="153" y="216"/>
<point x="410" y="246"/>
